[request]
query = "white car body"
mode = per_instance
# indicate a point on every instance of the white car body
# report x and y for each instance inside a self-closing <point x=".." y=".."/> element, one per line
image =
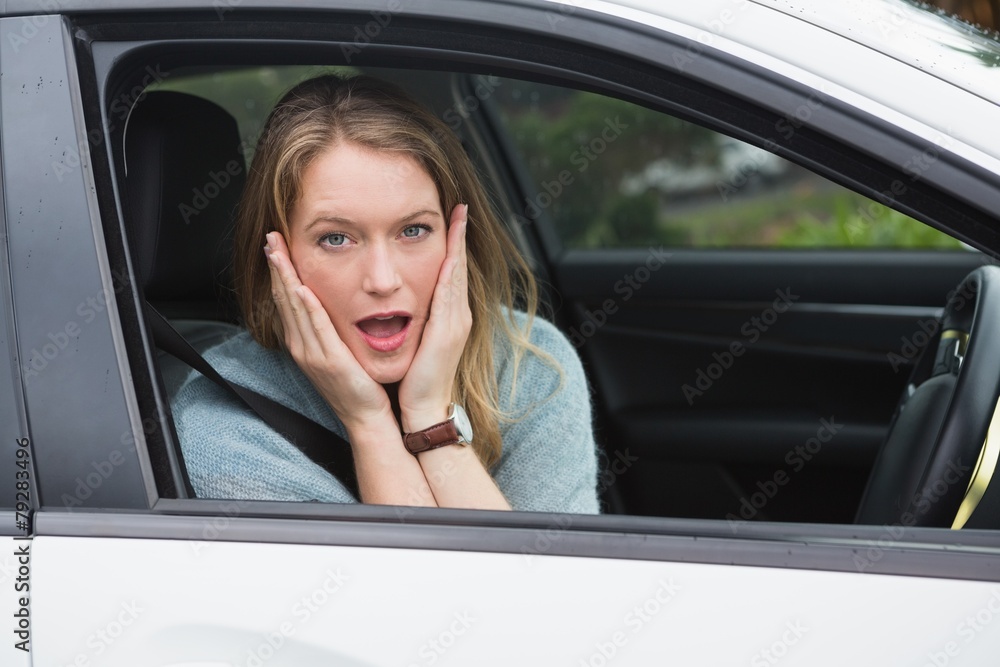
<point x="177" y="589"/>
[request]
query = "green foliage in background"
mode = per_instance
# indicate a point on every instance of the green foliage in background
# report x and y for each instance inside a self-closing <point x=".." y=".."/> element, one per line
<point x="869" y="224"/>
<point x="582" y="191"/>
<point x="827" y="217"/>
<point x="578" y="145"/>
<point x="247" y="94"/>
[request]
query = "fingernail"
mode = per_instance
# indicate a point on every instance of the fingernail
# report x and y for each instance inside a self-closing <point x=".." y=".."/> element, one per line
<point x="270" y="240"/>
<point x="267" y="250"/>
<point x="466" y="212"/>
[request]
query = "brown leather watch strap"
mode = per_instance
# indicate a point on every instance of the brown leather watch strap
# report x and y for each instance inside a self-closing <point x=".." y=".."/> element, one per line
<point x="432" y="437"/>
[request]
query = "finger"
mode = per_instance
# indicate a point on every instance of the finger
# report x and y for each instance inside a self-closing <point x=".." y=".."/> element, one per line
<point x="450" y="294"/>
<point x="279" y="293"/>
<point x="465" y="229"/>
<point x="314" y="324"/>
<point x="321" y="327"/>
<point x="463" y="256"/>
<point x="283" y="276"/>
<point x="298" y="320"/>
<point x="459" y="272"/>
<point x="462" y="313"/>
<point x="455" y="230"/>
<point x="456" y="244"/>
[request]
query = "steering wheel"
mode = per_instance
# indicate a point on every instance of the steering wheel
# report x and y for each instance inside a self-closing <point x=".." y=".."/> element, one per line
<point x="937" y="440"/>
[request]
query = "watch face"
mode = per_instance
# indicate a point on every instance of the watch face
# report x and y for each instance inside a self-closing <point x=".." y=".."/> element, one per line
<point x="462" y="423"/>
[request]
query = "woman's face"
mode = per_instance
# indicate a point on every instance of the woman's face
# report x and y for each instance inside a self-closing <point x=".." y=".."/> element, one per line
<point x="368" y="237"/>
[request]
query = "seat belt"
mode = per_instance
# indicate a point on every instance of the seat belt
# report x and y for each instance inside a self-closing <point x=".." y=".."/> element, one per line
<point x="324" y="447"/>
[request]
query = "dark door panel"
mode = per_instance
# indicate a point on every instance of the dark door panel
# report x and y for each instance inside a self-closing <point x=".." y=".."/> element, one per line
<point x="750" y="385"/>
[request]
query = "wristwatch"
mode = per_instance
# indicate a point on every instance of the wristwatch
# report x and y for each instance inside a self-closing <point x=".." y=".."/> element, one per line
<point x="455" y="430"/>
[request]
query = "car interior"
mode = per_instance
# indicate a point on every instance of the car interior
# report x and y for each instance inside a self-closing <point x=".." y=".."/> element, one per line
<point x="687" y="427"/>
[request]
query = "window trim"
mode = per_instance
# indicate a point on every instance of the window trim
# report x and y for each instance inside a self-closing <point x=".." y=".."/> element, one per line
<point x="962" y="555"/>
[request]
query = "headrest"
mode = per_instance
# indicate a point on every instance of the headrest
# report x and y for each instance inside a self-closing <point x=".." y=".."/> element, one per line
<point x="184" y="176"/>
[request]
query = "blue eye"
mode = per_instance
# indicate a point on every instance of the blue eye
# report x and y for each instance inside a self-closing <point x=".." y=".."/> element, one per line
<point x="334" y="239"/>
<point x="416" y="231"/>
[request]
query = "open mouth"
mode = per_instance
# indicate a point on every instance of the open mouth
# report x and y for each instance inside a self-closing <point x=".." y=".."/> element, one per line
<point x="385" y="333"/>
<point x="384" y="327"/>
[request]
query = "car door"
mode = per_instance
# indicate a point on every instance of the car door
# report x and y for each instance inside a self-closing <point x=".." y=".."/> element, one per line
<point x="125" y="565"/>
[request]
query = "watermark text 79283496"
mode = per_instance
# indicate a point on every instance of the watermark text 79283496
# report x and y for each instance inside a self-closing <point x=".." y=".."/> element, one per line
<point x="22" y="519"/>
<point x="22" y="486"/>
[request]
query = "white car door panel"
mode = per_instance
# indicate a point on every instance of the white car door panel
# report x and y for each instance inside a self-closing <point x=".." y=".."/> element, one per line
<point x="127" y="602"/>
<point x="15" y="599"/>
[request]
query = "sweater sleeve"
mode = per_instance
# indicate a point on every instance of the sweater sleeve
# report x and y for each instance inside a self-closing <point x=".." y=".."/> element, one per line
<point x="549" y="458"/>
<point x="231" y="453"/>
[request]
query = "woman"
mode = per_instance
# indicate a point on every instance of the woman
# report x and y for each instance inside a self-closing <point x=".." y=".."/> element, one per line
<point x="382" y="307"/>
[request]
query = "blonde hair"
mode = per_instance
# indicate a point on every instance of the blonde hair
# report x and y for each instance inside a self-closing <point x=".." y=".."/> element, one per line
<point x="321" y="112"/>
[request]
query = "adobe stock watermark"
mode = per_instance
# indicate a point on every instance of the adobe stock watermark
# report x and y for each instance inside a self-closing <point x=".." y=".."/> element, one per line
<point x="554" y="17"/>
<point x="423" y="496"/>
<point x="634" y="621"/>
<point x="921" y="503"/>
<point x="30" y="25"/>
<point x="86" y="485"/>
<point x="213" y="527"/>
<point x="617" y="465"/>
<point x="40" y="357"/>
<point x="786" y="128"/>
<point x="400" y="171"/>
<point x="714" y="28"/>
<point x="744" y="172"/>
<point x="611" y="468"/>
<point x="102" y="470"/>
<point x="796" y="458"/>
<point x="366" y="34"/>
<point x="72" y="155"/>
<point x="300" y="613"/>
<point x="8" y="568"/>
<point x="434" y="648"/>
<point x="216" y="182"/>
<point x="868" y="214"/>
<point x="752" y="330"/>
<point x="626" y="288"/>
<point x="455" y="115"/>
<point x="778" y="649"/>
<point x="581" y="158"/>
<point x="101" y="640"/>
<point x="911" y="346"/>
<point x="223" y="7"/>
<point x="971" y="627"/>
<point x="897" y="20"/>
<point x="545" y="539"/>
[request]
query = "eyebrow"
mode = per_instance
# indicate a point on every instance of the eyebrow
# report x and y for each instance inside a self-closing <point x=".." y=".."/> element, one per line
<point x="347" y="221"/>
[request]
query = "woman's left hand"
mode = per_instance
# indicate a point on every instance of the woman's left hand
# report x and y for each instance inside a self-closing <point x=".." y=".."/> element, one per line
<point x="426" y="391"/>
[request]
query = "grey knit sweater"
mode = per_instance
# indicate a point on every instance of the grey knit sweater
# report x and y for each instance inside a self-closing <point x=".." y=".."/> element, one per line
<point x="549" y="462"/>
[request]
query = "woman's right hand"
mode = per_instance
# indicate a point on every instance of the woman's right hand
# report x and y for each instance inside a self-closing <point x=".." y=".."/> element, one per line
<point x="314" y="344"/>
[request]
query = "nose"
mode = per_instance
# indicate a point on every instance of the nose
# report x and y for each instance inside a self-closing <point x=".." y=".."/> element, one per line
<point x="380" y="274"/>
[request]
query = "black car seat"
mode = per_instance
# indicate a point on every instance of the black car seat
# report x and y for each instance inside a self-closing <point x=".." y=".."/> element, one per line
<point x="184" y="176"/>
